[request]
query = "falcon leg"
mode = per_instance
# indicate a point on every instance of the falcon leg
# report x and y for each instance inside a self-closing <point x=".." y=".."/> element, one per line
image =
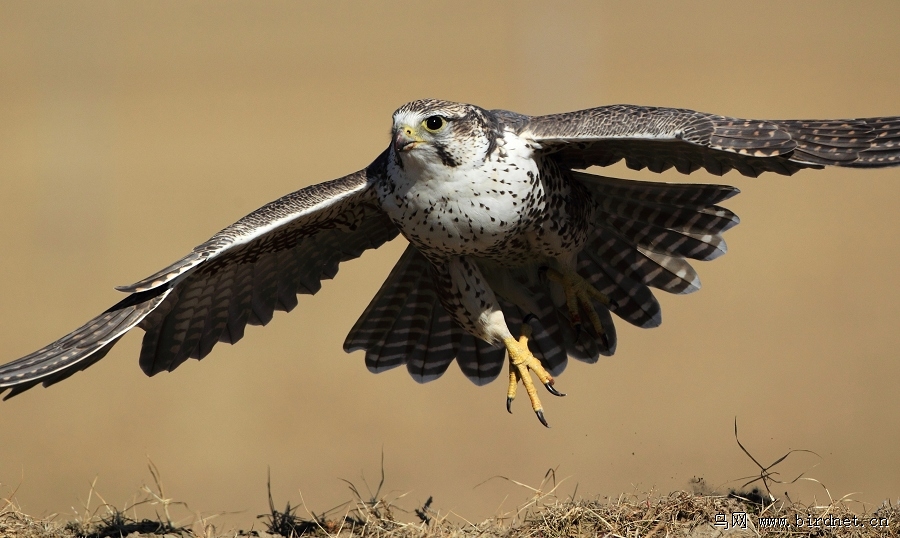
<point x="521" y="360"/>
<point x="579" y="294"/>
<point x="468" y="298"/>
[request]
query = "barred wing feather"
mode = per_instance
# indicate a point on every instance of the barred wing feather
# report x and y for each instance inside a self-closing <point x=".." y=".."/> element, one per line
<point x="661" y="138"/>
<point x="240" y="276"/>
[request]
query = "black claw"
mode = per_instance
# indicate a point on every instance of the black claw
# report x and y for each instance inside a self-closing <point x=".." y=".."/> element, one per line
<point x="553" y="391"/>
<point x="540" y="415"/>
<point x="509" y="405"/>
<point x="577" y="327"/>
<point x="528" y="318"/>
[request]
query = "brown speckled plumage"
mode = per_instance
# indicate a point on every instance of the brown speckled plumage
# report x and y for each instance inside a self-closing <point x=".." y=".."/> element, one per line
<point x="486" y="201"/>
<point x="660" y="138"/>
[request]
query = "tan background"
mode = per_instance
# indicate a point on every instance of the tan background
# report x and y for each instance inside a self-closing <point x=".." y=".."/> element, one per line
<point x="129" y="132"/>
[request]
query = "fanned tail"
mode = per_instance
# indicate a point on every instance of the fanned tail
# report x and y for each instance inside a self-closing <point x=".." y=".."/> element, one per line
<point x="406" y="324"/>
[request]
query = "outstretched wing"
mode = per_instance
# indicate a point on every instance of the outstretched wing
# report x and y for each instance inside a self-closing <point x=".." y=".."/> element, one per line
<point x="241" y="275"/>
<point x="660" y="138"/>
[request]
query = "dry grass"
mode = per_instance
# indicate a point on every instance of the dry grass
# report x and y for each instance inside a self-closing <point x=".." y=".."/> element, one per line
<point x="646" y="515"/>
<point x="689" y="514"/>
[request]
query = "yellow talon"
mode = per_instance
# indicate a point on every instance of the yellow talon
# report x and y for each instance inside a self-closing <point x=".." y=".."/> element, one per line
<point x="521" y="360"/>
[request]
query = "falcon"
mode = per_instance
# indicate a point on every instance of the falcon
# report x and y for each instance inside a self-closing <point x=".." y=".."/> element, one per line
<point x="515" y="254"/>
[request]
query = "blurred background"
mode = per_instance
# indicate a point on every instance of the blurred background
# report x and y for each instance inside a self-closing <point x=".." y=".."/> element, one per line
<point x="130" y="132"/>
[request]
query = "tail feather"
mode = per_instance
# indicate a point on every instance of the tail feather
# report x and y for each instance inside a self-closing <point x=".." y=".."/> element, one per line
<point x="406" y="324"/>
<point x="438" y="352"/>
<point x="479" y="361"/>
<point x="379" y="316"/>
<point x="411" y="325"/>
<point x="433" y="353"/>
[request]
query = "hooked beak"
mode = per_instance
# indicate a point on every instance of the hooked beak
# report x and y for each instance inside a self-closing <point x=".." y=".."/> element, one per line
<point x="405" y="139"/>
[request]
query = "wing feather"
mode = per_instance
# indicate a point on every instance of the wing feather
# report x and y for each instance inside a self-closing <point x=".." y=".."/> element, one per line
<point x="645" y="229"/>
<point x="216" y="321"/>
<point x="660" y="138"/>
<point x="668" y="273"/>
<point x="239" y="306"/>
<point x="80" y="348"/>
<point x="265" y="283"/>
<point x="631" y="299"/>
<point x="239" y="277"/>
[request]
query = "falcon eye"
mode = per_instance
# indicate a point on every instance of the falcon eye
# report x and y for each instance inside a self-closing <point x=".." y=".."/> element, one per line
<point x="434" y="123"/>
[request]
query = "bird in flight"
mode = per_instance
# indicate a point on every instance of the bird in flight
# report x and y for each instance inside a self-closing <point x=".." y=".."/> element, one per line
<point x="515" y="255"/>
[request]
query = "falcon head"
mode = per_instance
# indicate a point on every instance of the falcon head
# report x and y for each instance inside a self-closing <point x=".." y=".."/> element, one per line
<point x="430" y="132"/>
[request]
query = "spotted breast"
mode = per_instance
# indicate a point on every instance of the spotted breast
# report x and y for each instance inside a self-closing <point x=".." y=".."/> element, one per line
<point x="472" y="187"/>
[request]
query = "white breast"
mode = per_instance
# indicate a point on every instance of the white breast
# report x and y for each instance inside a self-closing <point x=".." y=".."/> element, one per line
<point x="467" y="209"/>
